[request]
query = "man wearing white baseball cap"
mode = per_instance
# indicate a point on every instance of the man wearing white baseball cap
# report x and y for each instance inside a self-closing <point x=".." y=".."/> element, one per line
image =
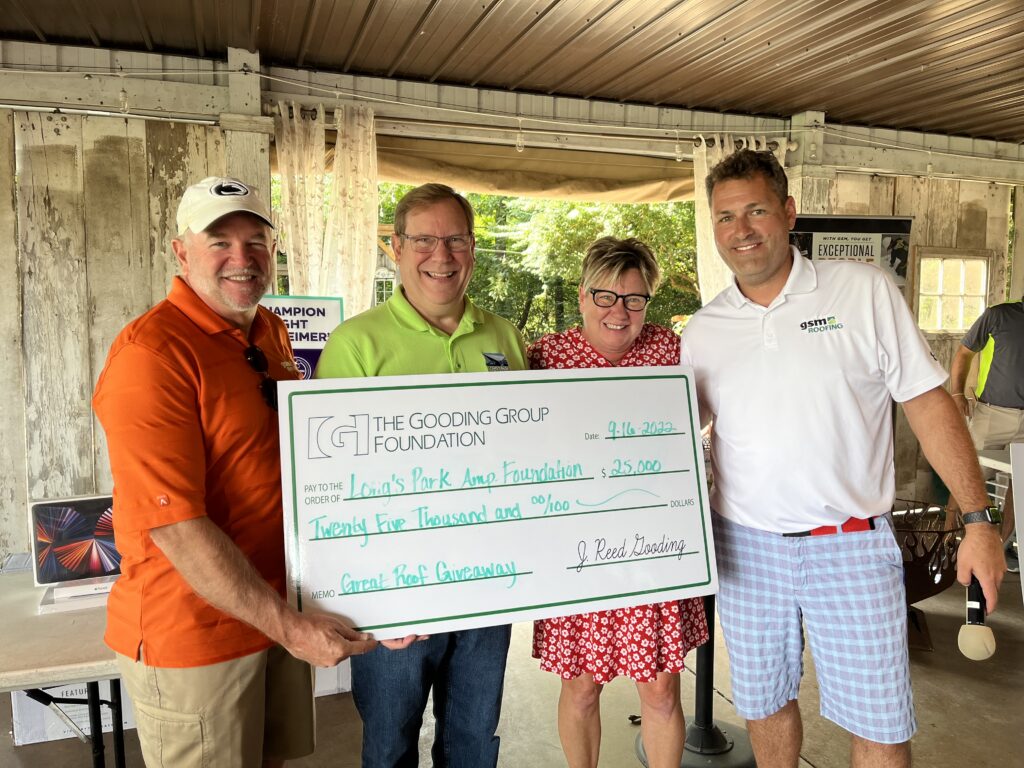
<point x="215" y="660"/>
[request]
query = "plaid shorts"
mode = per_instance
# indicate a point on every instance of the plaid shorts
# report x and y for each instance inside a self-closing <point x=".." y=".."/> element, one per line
<point x="847" y="591"/>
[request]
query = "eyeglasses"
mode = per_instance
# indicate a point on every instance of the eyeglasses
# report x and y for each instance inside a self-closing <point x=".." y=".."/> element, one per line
<point x="427" y="243"/>
<point x="258" y="362"/>
<point x="634" y="302"/>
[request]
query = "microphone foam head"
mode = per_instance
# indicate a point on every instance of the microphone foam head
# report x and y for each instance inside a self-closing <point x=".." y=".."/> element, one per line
<point x="976" y="641"/>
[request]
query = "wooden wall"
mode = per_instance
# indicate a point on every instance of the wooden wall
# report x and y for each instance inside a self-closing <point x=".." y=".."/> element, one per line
<point x="13" y="475"/>
<point x="947" y="213"/>
<point x="85" y="231"/>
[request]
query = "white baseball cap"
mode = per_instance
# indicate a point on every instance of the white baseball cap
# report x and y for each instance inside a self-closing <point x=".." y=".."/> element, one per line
<point x="214" y="197"/>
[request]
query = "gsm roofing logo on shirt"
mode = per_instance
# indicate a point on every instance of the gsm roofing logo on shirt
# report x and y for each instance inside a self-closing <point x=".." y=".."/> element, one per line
<point x="821" y="325"/>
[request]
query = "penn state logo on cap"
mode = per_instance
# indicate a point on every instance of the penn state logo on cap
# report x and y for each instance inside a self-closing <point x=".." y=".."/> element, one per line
<point x="229" y="187"/>
<point x="214" y="197"/>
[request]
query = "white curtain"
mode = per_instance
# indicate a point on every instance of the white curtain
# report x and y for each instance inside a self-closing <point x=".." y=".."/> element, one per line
<point x="354" y="208"/>
<point x="328" y="224"/>
<point x="712" y="273"/>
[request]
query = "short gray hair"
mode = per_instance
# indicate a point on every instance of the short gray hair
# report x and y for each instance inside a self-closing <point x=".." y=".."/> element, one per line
<point x="608" y="257"/>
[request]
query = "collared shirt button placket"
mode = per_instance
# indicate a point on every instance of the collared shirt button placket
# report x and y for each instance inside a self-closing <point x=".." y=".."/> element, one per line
<point x="768" y="337"/>
<point x="454" y="359"/>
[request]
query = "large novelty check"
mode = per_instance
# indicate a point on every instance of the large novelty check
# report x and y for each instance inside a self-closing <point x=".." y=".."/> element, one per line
<point x="421" y="504"/>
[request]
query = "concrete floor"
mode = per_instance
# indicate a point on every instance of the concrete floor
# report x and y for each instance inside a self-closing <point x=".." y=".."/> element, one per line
<point x="969" y="713"/>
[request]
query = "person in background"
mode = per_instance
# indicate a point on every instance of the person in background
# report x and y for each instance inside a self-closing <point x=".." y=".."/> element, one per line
<point x="217" y="664"/>
<point x="995" y="409"/>
<point x="645" y="643"/>
<point x="429" y="325"/>
<point x="797" y="364"/>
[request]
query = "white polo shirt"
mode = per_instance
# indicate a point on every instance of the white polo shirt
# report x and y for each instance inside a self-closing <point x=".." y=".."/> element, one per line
<point x="801" y="394"/>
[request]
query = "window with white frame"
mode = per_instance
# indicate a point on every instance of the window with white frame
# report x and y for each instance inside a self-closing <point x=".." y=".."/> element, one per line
<point x="383" y="286"/>
<point x="952" y="288"/>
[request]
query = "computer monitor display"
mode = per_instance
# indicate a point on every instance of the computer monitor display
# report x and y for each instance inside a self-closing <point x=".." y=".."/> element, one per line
<point x="73" y="539"/>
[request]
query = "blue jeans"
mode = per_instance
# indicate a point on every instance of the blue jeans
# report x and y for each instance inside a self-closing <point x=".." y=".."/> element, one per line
<point x="466" y="669"/>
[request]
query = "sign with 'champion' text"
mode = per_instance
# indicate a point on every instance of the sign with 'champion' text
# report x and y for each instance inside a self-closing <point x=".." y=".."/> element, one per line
<point x="420" y="504"/>
<point x="309" y="320"/>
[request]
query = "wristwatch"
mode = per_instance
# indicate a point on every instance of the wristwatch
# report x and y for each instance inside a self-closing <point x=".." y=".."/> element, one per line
<point x="988" y="515"/>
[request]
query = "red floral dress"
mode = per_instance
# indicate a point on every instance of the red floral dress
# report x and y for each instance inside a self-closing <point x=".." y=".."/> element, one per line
<point x="636" y="642"/>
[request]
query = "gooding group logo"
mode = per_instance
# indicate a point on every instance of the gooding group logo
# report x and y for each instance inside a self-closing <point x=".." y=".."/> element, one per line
<point x="328" y="434"/>
<point x="821" y="325"/>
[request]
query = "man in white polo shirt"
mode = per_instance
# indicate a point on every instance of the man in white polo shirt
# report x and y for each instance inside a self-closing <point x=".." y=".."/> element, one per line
<point x="797" y="365"/>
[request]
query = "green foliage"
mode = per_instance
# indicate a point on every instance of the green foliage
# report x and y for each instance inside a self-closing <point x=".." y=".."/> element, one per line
<point x="529" y="254"/>
<point x="389" y="195"/>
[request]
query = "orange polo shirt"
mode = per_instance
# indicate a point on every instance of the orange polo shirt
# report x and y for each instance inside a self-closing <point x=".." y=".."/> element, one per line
<point x="190" y="435"/>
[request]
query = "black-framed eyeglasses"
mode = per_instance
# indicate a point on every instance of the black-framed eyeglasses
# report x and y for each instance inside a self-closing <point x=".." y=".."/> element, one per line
<point x="427" y="243"/>
<point x="258" y="362"/>
<point x="634" y="302"/>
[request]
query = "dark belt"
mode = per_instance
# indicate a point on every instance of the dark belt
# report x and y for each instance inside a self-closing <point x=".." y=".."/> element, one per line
<point x="853" y="525"/>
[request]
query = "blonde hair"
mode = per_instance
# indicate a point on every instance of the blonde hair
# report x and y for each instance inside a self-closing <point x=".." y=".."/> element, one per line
<point x="608" y="257"/>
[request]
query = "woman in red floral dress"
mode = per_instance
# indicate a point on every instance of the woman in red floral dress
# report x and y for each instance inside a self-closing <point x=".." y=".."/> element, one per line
<point x="646" y="643"/>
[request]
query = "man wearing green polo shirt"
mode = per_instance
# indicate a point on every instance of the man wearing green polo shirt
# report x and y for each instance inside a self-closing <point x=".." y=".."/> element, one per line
<point x="429" y="326"/>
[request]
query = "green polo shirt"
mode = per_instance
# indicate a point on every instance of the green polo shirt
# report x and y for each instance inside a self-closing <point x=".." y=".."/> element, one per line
<point x="393" y="340"/>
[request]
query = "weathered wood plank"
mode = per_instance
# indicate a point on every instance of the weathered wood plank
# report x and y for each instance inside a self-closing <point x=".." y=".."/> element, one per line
<point x="972" y="215"/>
<point x="51" y="234"/>
<point x="216" y="162"/>
<point x="816" y="195"/>
<point x="882" y="196"/>
<point x="911" y="199"/>
<point x="1017" y="267"/>
<point x="943" y="201"/>
<point x="853" y="194"/>
<point x="167" y="158"/>
<point x="13" y="471"/>
<point x="176" y="154"/>
<point x="248" y="159"/>
<point x="117" y="242"/>
<point x="997" y="204"/>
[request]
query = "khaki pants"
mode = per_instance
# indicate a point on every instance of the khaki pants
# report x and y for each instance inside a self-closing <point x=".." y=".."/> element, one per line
<point x="993" y="427"/>
<point x="229" y="715"/>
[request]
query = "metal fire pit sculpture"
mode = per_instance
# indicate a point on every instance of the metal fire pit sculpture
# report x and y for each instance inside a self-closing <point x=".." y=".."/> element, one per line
<point x="928" y="541"/>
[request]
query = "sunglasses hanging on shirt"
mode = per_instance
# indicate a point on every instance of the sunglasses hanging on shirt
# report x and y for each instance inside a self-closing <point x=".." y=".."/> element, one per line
<point x="258" y="362"/>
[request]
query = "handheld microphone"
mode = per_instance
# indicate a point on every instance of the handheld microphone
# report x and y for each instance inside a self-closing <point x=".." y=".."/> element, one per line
<point x="976" y="641"/>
